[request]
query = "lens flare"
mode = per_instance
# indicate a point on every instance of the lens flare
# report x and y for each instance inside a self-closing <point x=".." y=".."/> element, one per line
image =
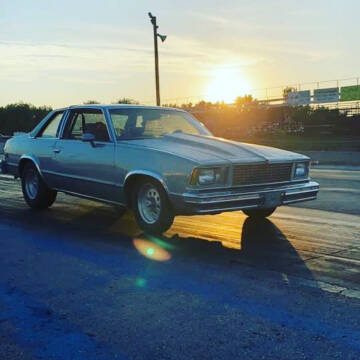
<point x="140" y="282"/>
<point x="151" y="250"/>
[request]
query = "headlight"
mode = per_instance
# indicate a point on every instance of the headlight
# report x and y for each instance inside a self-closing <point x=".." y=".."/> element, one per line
<point x="208" y="176"/>
<point x="301" y="170"/>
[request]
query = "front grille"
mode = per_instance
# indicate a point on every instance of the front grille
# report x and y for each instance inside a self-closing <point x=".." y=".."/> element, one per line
<point x="261" y="173"/>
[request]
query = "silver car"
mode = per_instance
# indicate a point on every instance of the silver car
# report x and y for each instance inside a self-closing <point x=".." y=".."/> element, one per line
<point x="160" y="162"/>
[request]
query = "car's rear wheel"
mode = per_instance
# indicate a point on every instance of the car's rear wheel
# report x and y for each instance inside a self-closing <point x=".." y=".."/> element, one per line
<point x="151" y="206"/>
<point x="36" y="193"/>
<point x="259" y="213"/>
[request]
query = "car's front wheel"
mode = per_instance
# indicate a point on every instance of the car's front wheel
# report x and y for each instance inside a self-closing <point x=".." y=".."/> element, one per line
<point x="259" y="213"/>
<point x="151" y="206"/>
<point x="36" y="193"/>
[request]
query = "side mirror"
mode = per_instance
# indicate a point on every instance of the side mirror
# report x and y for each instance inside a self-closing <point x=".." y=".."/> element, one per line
<point x="88" y="137"/>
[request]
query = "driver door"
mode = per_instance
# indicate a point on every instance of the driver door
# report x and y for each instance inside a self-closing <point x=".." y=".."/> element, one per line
<point x="86" y="168"/>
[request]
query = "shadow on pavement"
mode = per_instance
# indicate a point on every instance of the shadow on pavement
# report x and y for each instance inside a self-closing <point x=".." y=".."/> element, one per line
<point x="262" y="244"/>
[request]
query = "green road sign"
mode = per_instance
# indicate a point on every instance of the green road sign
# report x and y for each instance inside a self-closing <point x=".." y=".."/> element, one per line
<point x="349" y="93"/>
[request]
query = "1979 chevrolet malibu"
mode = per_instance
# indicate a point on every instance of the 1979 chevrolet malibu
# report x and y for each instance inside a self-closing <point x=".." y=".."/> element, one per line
<point x="160" y="162"/>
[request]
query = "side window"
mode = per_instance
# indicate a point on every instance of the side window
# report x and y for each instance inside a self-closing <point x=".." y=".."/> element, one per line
<point x="87" y="121"/>
<point x="51" y="128"/>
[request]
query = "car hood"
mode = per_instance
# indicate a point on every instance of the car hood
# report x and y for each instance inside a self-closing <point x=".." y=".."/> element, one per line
<point x="210" y="149"/>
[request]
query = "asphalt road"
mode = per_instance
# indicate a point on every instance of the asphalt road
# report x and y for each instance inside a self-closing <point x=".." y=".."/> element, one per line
<point x="77" y="282"/>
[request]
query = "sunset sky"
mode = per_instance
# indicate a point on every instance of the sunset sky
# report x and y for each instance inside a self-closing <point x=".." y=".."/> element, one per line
<point x="65" y="52"/>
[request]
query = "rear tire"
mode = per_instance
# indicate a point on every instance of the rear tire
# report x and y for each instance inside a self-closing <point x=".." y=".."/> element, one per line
<point x="36" y="193"/>
<point x="259" y="213"/>
<point x="151" y="207"/>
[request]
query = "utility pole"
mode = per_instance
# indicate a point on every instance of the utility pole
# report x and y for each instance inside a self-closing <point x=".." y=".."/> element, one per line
<point x="162" y="37"/>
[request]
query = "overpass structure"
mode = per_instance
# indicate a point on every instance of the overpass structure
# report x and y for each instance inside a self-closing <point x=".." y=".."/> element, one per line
<point x="333" y="94"/>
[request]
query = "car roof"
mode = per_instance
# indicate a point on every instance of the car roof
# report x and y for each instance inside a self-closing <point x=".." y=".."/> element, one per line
<point x="117" y="106"/>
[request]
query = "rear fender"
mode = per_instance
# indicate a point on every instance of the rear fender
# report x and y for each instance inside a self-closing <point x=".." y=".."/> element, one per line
<point x="24" y="159"/>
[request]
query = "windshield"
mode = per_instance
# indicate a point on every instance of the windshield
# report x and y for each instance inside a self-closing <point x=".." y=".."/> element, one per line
<point x="142" y="123"/>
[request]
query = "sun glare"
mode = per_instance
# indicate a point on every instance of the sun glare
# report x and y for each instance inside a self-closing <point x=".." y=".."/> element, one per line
<point x="226" y="84"/>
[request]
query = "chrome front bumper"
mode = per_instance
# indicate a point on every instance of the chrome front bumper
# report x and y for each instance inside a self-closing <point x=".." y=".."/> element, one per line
<point x="266" y="197"/>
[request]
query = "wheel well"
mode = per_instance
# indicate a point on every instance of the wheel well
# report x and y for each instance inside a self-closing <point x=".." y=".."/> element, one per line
<point x="22" y="164"/>
<point x="131" y="183"/>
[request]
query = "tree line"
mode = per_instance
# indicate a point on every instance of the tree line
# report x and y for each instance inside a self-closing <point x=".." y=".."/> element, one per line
<point x="24" y="117"/>
<point x="249" y="117"/>
<point x="245" y="117"/>
<point x="21" y="117"/>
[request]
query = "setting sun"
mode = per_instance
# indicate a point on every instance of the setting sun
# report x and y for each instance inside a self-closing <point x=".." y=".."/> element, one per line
<point x="226" y="84"/>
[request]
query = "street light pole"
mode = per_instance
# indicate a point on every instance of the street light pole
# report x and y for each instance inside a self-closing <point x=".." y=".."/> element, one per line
<point x="162" y="37"/>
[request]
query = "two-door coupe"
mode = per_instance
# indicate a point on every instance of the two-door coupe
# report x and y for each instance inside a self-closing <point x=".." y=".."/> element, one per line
<point x="160" y="162"/>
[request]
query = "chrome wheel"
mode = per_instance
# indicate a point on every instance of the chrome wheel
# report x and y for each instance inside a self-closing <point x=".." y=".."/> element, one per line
<point x="32" y="183"/>
<point x="149" y="203"/>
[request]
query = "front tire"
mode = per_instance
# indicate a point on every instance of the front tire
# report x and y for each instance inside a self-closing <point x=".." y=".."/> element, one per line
<point x="259" y="213"/>
<point x="36" y="193"/>
<point x="152" y="208"/>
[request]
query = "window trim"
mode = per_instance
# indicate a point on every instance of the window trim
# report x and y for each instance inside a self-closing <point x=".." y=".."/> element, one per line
<point x="58" y="130"/>
<point x="85" y="109"/>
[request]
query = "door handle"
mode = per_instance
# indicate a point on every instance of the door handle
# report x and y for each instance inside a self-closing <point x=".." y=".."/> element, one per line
<point x="56" y="151"/>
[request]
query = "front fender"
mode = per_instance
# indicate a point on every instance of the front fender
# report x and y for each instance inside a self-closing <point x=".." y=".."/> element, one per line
<point x="148" y="173"/>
